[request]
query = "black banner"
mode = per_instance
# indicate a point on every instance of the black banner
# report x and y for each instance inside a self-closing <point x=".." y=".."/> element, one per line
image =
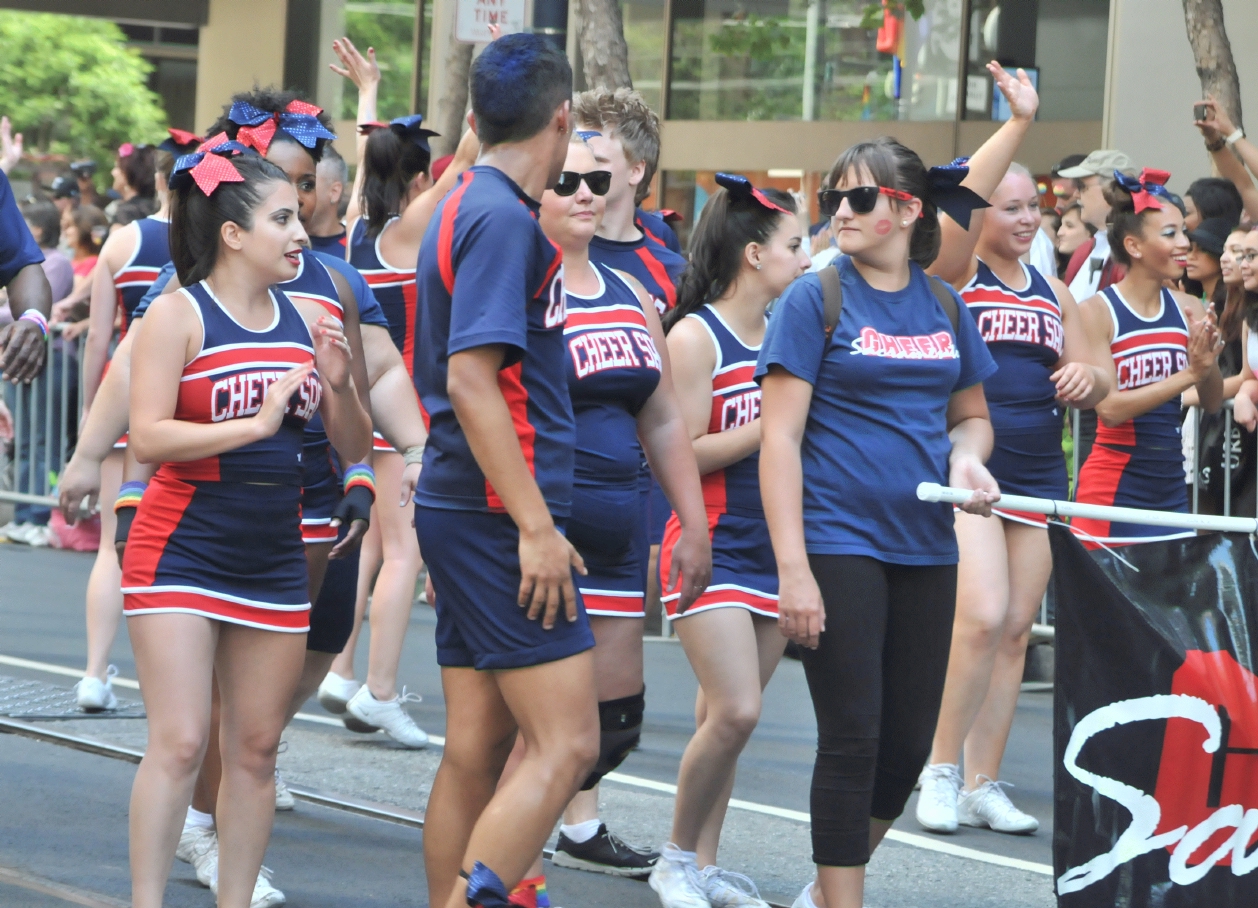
<point x="1156" y="724"/>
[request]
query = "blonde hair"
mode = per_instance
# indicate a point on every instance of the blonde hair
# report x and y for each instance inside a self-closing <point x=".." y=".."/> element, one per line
<point x="625" y="115"/>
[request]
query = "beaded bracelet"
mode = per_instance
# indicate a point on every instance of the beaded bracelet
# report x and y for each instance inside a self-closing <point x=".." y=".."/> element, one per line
<point x="36" y="317"/>
<point x="129" y="495"/>
<point x="361" y="475"/>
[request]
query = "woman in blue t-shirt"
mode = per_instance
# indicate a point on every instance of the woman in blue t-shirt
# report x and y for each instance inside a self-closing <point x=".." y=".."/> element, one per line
<point x="851" y="424"/>
<point x="746" y="249"/>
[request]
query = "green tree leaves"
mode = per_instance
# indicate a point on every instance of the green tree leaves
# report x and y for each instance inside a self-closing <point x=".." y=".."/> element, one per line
<point x="72" y="87"/>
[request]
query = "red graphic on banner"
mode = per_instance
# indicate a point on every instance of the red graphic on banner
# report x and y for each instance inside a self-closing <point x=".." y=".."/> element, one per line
<point x="1192" y="783"/>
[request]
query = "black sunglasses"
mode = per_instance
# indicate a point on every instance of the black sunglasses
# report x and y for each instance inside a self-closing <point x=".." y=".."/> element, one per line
<point x="599" y="182"/>
<point x="862" y="198"/>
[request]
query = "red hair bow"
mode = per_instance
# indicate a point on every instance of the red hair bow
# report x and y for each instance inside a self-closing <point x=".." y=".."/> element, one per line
<point x="1144" y="188"/>
<point x="259" y="136"/>
<point x="212" y="171"/>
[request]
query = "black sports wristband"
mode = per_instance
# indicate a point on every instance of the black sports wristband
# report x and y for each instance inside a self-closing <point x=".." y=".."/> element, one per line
<point x="356" y="505"/>
<point x="124" y="516"/>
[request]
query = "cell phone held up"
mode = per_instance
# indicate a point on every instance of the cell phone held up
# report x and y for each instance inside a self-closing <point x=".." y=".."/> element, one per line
<point x="1201" y="112"/>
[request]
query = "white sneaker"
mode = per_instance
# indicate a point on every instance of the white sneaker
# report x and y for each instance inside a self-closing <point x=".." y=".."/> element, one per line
<point x="988" y="805"/>
<point x="18" y="532"/>
<point x="264" y="894"/>
<point x="94" y="695"/>
<point x="335" y="691"/>
<point x="937" y="803"/>
<point x="389" y="715"/>
<point x="678" y="881"/>
<point x="199" y="847"/>
<point x="283" y="797"/>
<point x="727" y="889"/>
<point x="39" y="536"/>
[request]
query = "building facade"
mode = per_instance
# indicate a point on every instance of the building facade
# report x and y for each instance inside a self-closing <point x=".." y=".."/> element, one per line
<point x="771" y="88"/>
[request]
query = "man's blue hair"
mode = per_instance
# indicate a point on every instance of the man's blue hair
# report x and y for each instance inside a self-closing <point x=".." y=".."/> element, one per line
<point x="516" y="84"/>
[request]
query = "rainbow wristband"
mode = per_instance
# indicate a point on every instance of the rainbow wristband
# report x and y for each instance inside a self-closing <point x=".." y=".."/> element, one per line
<point x="37" y="317"/>
<point x="129" y="495"/>
<point x="361" y="475"/>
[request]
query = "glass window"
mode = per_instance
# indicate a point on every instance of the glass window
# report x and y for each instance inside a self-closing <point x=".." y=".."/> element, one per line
<point x="811" y="60"/>
<point x="644" y="33"/>
<point x="1061" y="43"/>
<point x="389" y="27"/>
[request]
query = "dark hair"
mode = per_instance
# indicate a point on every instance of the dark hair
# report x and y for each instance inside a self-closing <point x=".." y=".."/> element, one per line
<point x="196" y="219"/>
<point x="389" y="164"/>
<point x="896" y="166"/>
<point x="47" y="217"/>
<point x="516" y="84"/>
<point x="1077" y="207"/>
<point x="138" y="168"/>
<point x="1069" y="161"/>
<point x="133" y="210"/>
<point x="90" y="221"/>
<point x="1214" y="197"/>
<point x="271" y="100"/>
<point x="727" y="224"/>
<point x="1249" y="301"/>
<point x="1124" y="221"/>
<point x="1051" y="215"/>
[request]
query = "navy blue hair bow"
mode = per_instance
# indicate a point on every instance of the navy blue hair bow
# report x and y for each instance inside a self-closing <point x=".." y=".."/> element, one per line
<point x="258" y="127"/>
<point x="210" y="165"/>
<point x="946" y="191"/>
<point x="405" y="128"/>
<point x="1143" y="188"/>
<point x="739" y="186"/>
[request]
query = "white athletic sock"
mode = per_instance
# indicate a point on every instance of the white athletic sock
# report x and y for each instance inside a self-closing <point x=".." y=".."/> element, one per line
<point x="198" y="820"/>
<point x="685" y="857"/>
<point x="581" y="832"/>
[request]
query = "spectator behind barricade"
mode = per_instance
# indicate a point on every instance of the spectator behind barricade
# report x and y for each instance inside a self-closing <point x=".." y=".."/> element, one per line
<point x="1244" y="410"/>
<point x="84" y="172"/>
<point x="1043" y="254"/>
<point x="44" y="221"/>
<point x="133" y="179"/>
<point x="64" y="191"/>
<point x="1072" y="232"/>
<point x="1231" y="152"/>
<point x="1092" y="268"/>
<point x="1065" y="190"/>
<point x="1226" y="296"/>
<point x="83" y="232"/>
<point x="1212" y="197"/>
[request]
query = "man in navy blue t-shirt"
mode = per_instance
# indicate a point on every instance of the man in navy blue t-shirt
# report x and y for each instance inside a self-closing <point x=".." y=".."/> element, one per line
<point x="30" y="297"/>
<point x="513" y="640"/>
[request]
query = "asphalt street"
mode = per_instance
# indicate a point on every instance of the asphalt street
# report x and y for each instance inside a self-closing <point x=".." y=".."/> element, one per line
<point x="41" y="619"/>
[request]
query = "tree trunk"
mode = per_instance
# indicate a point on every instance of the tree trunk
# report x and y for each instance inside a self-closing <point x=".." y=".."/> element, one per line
<point x="1213" y="54"/>
<point x="451" y="115"/>
<point x="603" y="47"/>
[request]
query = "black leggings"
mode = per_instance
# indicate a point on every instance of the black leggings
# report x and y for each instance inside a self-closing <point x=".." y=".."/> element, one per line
<point x="876" y="681"/>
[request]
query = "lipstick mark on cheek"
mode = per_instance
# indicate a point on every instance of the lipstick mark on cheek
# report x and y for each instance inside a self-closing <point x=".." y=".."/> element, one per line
<point x="883" y="227"/>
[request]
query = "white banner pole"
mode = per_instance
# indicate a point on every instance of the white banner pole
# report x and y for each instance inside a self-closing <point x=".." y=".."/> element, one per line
<point x="933" y="491"/>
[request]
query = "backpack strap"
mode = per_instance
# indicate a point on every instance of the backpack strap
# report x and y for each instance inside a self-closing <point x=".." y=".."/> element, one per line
<point x="832" y="300"/>
<point x="943" y="293"/>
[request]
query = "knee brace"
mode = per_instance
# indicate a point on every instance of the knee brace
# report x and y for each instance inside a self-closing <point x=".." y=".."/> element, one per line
<point x="620" y="730"/>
